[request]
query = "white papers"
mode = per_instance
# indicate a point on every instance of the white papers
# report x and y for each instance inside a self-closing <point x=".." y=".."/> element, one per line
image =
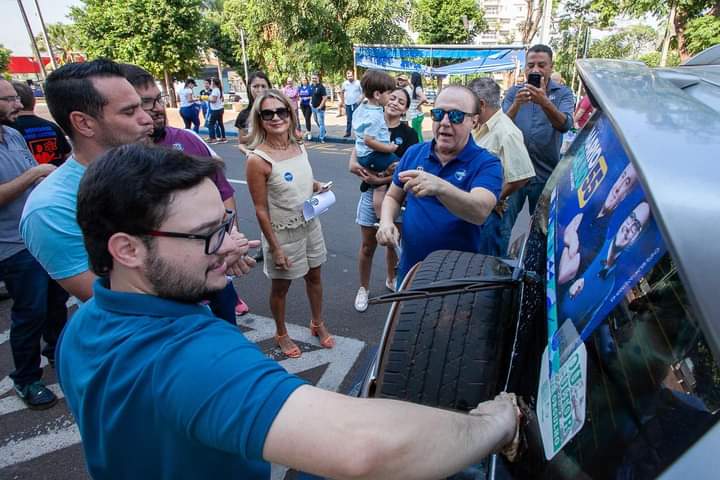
<point x="318" y="204"/>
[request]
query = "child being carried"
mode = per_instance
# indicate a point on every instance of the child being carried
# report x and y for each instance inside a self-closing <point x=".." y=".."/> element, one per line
<point x="374" y="150"/>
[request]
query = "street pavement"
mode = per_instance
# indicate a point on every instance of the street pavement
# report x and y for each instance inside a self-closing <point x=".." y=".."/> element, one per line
<point x="45" y="445"/>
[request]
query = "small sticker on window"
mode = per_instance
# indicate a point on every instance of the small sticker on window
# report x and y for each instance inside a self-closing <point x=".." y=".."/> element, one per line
<point x="561" y="400"/>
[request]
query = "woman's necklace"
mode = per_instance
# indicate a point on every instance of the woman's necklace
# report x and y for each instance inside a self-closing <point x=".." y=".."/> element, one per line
<point x="280" y="148"/>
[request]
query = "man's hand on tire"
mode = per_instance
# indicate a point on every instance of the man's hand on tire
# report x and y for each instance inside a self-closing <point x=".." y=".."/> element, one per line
<point x="504" y="409"/>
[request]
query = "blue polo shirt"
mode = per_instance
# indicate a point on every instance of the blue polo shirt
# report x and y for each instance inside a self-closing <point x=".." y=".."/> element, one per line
<point x="543" y="141"/>
<point x="162" y="389"/>
<point x="427" y="224"/>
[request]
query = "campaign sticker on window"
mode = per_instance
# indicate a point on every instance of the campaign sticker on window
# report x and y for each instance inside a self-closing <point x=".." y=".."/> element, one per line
<point x="561" y="400"/>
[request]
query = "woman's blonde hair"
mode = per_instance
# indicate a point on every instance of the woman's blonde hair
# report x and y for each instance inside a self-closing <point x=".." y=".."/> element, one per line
<point x="257" y="130"/>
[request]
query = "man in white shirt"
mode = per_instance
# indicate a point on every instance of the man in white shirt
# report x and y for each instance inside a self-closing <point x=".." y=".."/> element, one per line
<point x="352" y="95"/>
<point x="497" y="133"/>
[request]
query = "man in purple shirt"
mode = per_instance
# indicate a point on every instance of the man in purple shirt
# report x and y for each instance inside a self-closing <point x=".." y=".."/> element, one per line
<point x="225" y="304"/>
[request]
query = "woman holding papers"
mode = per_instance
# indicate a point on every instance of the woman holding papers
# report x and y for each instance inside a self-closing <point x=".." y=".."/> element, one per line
<point x="280" y="179"/>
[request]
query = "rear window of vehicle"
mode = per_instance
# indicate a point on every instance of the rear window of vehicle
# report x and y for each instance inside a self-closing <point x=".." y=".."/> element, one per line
<point x="653" y="386"/>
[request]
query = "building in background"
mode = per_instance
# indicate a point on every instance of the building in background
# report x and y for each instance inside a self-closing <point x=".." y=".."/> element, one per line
<point x="504" y="19"/>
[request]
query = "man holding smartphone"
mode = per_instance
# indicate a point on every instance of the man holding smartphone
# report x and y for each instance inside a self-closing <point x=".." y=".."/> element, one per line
<point x="543" y="110"/>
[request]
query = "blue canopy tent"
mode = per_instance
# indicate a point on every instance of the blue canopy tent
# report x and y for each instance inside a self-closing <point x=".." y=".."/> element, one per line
<point x="503" y="61"/>
<point x="404" y="57"/>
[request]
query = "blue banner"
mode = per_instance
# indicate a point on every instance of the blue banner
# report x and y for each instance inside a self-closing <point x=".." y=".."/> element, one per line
<point x="604" y="237"/>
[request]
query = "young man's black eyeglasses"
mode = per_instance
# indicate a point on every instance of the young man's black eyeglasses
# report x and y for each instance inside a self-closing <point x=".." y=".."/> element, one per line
<point x="213" y="240"/>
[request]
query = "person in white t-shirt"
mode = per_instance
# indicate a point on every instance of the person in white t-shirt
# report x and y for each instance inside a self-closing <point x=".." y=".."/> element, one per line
<point x="352" y="95"/>
<point x="217" y="110"/>
<point x="189" y="108"/>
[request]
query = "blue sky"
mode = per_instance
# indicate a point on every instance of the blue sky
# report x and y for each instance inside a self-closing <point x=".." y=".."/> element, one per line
<point x="13" y="34"/>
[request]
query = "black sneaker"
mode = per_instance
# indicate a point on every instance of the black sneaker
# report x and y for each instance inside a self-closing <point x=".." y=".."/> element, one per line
<point x="36" y="395"/>
<point x="347" y="135"/>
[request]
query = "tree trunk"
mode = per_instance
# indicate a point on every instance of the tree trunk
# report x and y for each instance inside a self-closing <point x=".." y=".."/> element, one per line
<point x="532" y="20"/>
<point x="169" y="89"/>
<point x="681" y="19"/>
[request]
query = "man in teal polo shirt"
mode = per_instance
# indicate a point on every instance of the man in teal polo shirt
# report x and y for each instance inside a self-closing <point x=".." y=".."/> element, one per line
<point x="162" y="389"/>
<point x="450" y="184"/>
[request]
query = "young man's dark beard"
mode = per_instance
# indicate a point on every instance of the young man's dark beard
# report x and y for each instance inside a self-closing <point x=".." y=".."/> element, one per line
<point x="158" y="134"/>
<point x="172" y="283"/>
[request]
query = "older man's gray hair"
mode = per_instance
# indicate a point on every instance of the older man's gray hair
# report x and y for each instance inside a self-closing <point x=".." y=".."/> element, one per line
<point x="487" y="90"/>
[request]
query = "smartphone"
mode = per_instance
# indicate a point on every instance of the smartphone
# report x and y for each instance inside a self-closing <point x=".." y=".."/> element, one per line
<point x="326" y="186"/>
<point x="534" y="79"/>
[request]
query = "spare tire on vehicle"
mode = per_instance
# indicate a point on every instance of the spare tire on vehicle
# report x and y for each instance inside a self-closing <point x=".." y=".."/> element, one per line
<point x="447" y="351"/>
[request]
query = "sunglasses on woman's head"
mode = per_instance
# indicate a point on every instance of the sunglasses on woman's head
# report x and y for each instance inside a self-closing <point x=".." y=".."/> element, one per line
<point x="456" y="116"/>
<point x="267" y="114"/>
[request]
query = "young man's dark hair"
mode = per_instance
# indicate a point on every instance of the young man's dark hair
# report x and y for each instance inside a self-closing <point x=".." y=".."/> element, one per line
<point x="69" y="89"/>
<point x="129" y="190"/>
<point x="137" y="76"/>
<point x="376" y="81"/>
<point x="540" y="48"/>
<point x="27" y="98"/>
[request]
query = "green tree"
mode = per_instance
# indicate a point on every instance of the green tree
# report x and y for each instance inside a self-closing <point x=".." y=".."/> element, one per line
<point x="627" y="44"/>
<point x="162" y="36"/>
<point x="447" y="21"/>
<point x="702" y="32"/>
<point x="652" y="59"/>
<point x="286" y="37"/>
<point x="64" y="41"/>
<point x="4" y="58"/>
<point x="687" y="10"/>
<point x="572" y="41"/>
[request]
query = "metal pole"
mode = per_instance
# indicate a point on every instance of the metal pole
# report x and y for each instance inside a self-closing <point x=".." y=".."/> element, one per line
<point x="354" y="63"/>
<point x="242" y="43"/>
<point x="32" y="40"/>
<point x="45" y="36"/>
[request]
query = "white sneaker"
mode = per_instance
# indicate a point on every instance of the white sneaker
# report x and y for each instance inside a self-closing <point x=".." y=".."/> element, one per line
<point x="361" y="300"/>
<point x="390" y="284"/>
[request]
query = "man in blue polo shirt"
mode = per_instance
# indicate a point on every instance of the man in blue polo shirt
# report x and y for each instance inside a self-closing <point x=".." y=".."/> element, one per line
<point x="162" y="389"/>
<point x="450" y="184"/>
<point x="542" y="114"/>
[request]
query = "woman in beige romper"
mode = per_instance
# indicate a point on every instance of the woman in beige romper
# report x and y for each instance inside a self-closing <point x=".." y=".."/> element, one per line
<point x="280" y="179"/>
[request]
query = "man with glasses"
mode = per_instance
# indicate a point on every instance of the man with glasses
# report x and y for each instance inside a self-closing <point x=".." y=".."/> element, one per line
<point x="38" y="309"/>
<point x="497" y="132"/>
<point x="98" y="109"/>
<point x="224" y="304"/>
<point x="160" y="388"/>
<point x="450" y="185"/>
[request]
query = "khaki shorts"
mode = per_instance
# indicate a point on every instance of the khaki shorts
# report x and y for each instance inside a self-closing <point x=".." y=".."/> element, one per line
<point x="303" y="245"/>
